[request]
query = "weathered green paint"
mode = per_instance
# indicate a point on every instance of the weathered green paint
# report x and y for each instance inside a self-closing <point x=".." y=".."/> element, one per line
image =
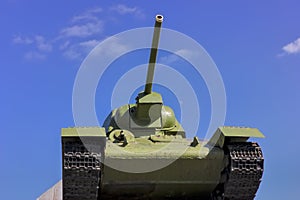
<point x="232" y="131"/>
<point x="144" y="148"/>
<point x="83" y="132"/>
<point x="194" y="177"/>
<point x="153" y="119"/>
<point x="236" y="134"/>
<point x="194" y="172"/>
<point x="153" y="97"/>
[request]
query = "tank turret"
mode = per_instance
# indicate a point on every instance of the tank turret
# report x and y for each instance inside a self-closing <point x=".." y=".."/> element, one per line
<point x="148" y="115"/>
<point x="147" y="99"/>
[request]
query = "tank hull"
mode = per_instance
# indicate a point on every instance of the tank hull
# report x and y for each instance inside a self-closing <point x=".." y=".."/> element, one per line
<point x="181" y="178"/>
<point x="96" y="168"/>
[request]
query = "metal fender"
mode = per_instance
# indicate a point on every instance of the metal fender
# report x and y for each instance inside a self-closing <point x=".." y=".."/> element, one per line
<point x="227" y="134"/>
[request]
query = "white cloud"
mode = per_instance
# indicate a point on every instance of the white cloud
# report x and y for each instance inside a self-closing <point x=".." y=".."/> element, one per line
<point x="84" y="25"/>
<point x="83" y="30"/>
<point x="89" y="15"/>
<point x="293" y="47"/>
<point x="184" y="53"/>
<point x="109" y="49"/>
<point x="73" y="53"/>
<point x="112" y="48"/>
<point x="65" y="45"/>
<point x="123" y="9"/>
<point x="38" y="45"/>
<point x="187" y="54"/>
<point x="38" y="41"/>
<point x="34" y="55"/>
<point x="89" y="44"/>
<point x="22" y="40"/>
<point x="42" y="45"/>
<point x="80" y="50"/>
<point x="169" y="59"/>
<point x="76" y="40"/>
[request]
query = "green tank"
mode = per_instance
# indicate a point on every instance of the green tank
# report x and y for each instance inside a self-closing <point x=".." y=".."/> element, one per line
<point x="142" y="152"/>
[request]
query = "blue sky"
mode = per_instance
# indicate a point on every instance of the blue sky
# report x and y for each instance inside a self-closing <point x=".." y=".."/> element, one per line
<point x="255" y="45"/>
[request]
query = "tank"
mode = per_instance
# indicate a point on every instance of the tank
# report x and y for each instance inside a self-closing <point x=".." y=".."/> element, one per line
<point x="141" y="152"/>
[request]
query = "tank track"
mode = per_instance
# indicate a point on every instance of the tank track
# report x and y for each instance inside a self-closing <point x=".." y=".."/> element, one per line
<point x="244" y="172"/>
<point x="82" y="169"/>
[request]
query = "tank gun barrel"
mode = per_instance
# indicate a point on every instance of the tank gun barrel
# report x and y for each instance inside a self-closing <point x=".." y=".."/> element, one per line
<point x="153" y="54"/>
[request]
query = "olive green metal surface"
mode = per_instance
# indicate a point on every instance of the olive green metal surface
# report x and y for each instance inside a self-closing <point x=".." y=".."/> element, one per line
<point x="147" y="134"/>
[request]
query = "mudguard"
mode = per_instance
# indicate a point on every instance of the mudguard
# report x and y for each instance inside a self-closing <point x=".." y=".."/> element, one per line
<point x="233" y="134"/>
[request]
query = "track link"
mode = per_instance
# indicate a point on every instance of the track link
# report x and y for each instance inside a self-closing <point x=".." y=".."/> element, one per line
<point x="244" y="172"/>
<point x="82" y="169"/>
